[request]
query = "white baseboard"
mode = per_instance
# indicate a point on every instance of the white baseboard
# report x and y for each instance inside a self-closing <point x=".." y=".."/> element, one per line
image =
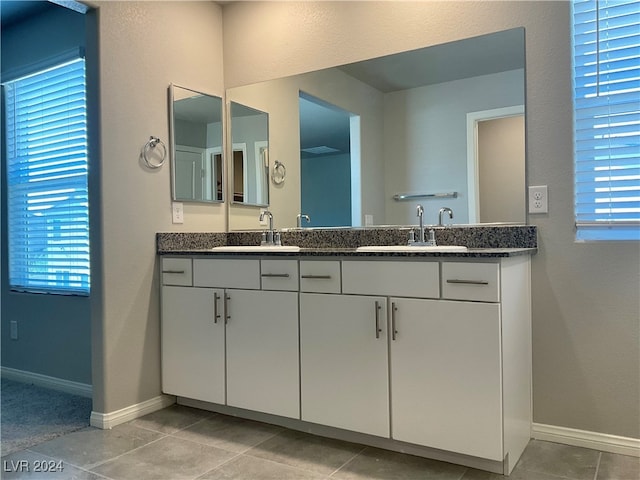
<point x="54" y="383"/>
<point x="111" y="419"/>
<point x="582" y="438"/>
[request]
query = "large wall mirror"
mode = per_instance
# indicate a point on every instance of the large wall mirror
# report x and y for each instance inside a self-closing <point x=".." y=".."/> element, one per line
<point x="443" y="120"/>
<point x="196" y="146"/>
<point x="249" y="155"/>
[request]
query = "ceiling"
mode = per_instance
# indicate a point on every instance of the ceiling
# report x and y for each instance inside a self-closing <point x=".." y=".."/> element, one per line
<point x="14" y="11"/>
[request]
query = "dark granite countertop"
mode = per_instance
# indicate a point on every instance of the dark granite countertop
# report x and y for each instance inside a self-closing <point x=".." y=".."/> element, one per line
<point x="485" y="241"/>
<point x="351" y="252"/>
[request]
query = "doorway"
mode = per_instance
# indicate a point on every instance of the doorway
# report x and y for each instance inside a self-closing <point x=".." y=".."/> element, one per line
<point x="329" y="163"/>
<point x="496" y="165"/>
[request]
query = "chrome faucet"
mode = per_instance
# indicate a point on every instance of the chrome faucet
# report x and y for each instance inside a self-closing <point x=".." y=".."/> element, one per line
<point x="421" y="240"/>
<point x="299" y="219"/>
<point x="444" y="210"/>
<point x="267" y="237"/>
<point x="420" y="212"/>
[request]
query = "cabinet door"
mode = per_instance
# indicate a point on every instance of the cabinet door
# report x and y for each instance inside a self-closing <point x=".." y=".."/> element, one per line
<point x="262" y="351"/>
<point x="446" y="376"/>
<point x="193" y="351"/>
<point x="344" y="362"/>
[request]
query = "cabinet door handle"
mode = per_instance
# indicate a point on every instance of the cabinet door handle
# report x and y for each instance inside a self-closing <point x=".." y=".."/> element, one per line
<point x="378" y="329"/>
<point x="227" y="316"/>
<point x="173" y="271"/>
<point x="468" y="282"/>
<point x="394" y="309"/>
<point x="317" y="277"/>
<point x="276" y="275"/>
<point x="216" y="315"/>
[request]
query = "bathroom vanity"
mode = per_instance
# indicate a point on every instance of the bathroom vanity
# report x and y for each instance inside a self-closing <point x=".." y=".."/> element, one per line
<point x="424" y="353"/>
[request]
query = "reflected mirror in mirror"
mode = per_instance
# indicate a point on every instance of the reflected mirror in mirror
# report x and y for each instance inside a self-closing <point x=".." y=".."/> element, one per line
<point x="196" y="142"/>
<point x="409" y="123"/>
<point x="250" y="155"/>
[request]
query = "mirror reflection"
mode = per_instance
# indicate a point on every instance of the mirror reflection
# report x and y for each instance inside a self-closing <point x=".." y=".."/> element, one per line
<point x="357" y="137"/>
<point x="250" y="155"/>
<point x="196" y="142"/>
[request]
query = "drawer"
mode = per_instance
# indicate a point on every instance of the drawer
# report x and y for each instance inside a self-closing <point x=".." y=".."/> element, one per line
<point x="279" y="275"/>
<point x="320" y="276"/>
<point x="471" y="281"/>
<point x="227" y="273"/>
<point x="177" y="271"/>
<point x="394" y="278"/>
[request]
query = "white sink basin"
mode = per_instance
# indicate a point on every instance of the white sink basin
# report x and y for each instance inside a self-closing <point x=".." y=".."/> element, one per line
<point x="412" y="248"/>
<point x="257" y="248"/>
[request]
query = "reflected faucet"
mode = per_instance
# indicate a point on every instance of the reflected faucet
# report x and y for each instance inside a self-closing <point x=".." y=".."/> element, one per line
<point x="267" y="239"/>
<point x="444" y="210"/>
<point x="420" y="212"/>
<point x="299" y="219"/>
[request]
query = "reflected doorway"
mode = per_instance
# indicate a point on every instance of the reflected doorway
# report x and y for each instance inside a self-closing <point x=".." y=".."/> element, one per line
<point x="496" y="165"/>
<point x="329" y="164"/>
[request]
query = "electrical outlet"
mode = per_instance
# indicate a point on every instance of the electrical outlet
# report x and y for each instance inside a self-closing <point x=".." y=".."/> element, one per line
<point x="264" y="220"/>
<point x="14" y="329"/>
<point x="538" y="199"/>
<point x="177" y="212"/>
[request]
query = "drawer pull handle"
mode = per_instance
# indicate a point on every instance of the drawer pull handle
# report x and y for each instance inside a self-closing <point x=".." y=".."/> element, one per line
<point x="468" y="282"/>
<point x="276" y="275"/>
<point x="317" y="277"/>
<point x="394" y="309"/>
<point x="173" y="271"/>
<point x="378" y="329"/>
<point x="216" y="315"/>
<point x="227" y="316"/>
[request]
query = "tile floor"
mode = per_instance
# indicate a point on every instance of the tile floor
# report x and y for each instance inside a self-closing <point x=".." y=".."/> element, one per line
<point x="185" y="443"/>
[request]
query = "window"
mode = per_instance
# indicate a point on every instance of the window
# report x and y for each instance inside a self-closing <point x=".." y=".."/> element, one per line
<point x="606" y="74"/>
<point x="46" y="153"/>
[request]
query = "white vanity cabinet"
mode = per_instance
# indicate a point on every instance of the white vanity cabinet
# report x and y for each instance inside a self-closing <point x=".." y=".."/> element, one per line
<point x="343" y="362"/>
<point x="428" y="354"/>
<point x="246" y="342"/>
<point x="262" y="351"/>
<point x="446" y="375"/>
<point x="459" y="351"/>
<point x="193" y="346"/>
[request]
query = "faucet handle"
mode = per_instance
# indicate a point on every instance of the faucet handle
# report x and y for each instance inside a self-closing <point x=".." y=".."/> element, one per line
<point x="432" y="237"/>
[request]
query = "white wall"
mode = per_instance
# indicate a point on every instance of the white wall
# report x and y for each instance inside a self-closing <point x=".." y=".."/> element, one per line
<point x="586" y="345"/>
<point x="144" y="46"/>
<point x="425" y="141"/>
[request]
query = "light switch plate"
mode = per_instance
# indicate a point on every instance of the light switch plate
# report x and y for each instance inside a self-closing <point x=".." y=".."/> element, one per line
<point x="14" y="329"/>
<point x="538" y="199"/>
<point x="177" y="212"/>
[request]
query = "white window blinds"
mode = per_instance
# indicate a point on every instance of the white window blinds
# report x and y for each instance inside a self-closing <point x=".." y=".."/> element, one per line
<point x="606" y="61"/>
<point x="48" y="208"/>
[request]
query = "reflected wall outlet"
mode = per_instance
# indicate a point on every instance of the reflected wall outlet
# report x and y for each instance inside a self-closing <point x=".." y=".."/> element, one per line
<point x="265" y="220"/>
<point x="177" y="212"/>
<point x="368" y="220"/>
<point x="14" y="329"/>
<point x="538" y="199"/>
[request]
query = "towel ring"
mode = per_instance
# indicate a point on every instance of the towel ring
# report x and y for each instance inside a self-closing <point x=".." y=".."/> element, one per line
<point x="149" y="147"/>
<point x="278" y="173"/>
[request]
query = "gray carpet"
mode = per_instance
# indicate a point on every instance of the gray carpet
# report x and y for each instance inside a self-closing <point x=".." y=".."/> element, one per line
<point x="30" y="415"/>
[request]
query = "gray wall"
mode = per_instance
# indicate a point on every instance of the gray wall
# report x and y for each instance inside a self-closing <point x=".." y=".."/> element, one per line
<point x="144" y="46"/>
<point x="54" y="332"/>
<point x="586" y="346"/>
